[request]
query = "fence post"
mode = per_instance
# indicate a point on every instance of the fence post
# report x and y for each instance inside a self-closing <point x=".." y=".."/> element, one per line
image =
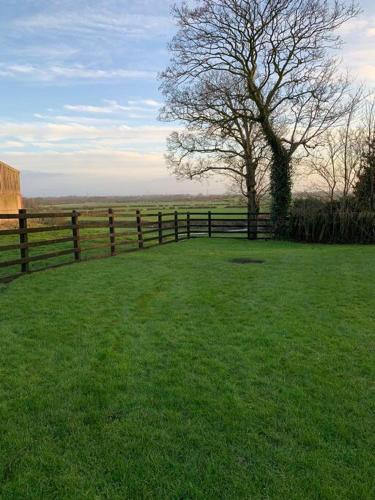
<point x="160" y="227"/>
<point x="112" y="235"/>
<point x="176" y="226"/>
<point x="139" y="229"/>
<point x="188" y="224"/>
<point x="22" y="224"/>
<point x="209" y="224"/>
<point x="252" y="226"/>
<point x="75" y="231"/>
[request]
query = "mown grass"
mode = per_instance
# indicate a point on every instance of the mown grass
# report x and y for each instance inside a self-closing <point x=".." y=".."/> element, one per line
<point x="174" y="373"/>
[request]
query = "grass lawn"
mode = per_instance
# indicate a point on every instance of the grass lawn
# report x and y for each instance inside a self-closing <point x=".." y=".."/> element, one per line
<point x="173" y="373"/>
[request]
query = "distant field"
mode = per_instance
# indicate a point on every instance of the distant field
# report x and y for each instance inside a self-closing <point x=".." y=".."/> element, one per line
<point x="230" y="204"/>
<point x="149" y="204"/>
<point x="175" y="373"/>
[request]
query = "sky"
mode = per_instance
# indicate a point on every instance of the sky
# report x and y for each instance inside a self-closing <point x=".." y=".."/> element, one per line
<point x="79" y="94"/>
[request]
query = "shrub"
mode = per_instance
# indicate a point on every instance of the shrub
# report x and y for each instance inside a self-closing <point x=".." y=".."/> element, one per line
<point x="320" y="222"/>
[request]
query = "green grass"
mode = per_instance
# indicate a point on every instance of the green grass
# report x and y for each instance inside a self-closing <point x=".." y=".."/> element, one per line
<point x="173" y="373"/>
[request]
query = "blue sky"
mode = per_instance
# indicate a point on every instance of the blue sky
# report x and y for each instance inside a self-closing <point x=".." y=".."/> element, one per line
<point x="79" y="94"/>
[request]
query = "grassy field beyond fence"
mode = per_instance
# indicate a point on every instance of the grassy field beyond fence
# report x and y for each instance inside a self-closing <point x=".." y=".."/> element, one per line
<point x="177" y="373"/>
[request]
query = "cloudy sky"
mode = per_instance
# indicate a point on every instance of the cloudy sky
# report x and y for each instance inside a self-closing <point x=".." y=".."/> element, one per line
<point x="79" y="94"/>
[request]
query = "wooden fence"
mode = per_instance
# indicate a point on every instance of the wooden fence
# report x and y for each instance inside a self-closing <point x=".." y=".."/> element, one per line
<point x="79" y="235"/>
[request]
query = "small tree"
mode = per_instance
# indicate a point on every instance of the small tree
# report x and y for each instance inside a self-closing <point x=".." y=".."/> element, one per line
<point x="336" y="161"/>
<point x="280" y="52"/>
<point x="365" y="188"/>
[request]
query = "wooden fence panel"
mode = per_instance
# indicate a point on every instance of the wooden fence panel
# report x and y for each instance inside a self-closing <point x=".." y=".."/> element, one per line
<point x="122" y="231"/>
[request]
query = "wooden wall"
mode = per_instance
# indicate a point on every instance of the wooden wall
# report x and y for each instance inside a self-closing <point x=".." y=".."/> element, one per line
<point x="10" y="189"/>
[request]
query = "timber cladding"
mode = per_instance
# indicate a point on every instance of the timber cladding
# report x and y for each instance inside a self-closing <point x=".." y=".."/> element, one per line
<point x="10" y="189"/>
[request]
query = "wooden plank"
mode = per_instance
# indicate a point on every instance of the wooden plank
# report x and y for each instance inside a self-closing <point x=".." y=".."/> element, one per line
<point x="168" y="225"/>
<point x="31" y="244"/>
<point x="93" y="224"/>
<point x="47" y="215"/>
<point x="9" y="216"/>
<point x="244" y="213"/>
<point x="222" y="219"/>
<point x="49" y="228"/>
<point x="92" y="237"/>
<point x="151" y="239"/>
<point x="35" y="258"/>
<point x="149" y="231"/>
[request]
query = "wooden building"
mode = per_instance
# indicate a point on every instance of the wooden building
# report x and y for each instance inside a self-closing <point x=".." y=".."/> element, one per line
<point x="10" y="189"/>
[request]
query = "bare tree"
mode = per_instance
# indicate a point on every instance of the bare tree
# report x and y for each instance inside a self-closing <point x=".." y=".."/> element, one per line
<point x="336" y="161"/>
<point x="281" y="52"/>
<point x="219" y="135"/>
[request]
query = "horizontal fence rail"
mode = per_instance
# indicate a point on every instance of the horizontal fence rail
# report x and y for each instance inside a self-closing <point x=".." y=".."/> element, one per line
<point x="33" y="241"/>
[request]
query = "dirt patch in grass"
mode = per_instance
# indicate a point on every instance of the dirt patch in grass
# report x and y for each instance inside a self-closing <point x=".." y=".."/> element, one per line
<point x="246" y="261"/>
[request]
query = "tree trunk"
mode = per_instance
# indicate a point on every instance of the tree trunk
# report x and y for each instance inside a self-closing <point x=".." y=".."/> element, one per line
<point x="252" y="206"/>
<point x="281" y="184"/>
<point x="281" y="192"/>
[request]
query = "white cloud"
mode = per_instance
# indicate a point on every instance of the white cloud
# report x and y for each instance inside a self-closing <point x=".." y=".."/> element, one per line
<point x="75" y="136"/>
<point x="146" y="102"/>
<point x="113" y="107"/>
<point x="91" y="22"/>
<point x="77" y="72"/>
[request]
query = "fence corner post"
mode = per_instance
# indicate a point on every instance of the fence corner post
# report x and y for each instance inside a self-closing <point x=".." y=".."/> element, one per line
<point x="24" y="249"/>
<point x="139" y="228"/>
<point x="76" y="239"/>
<point x="160" y="227"/>
<point x="176" y="226"/>
<point x="209" y="224"/>
<point x="252" y="226"/>
<point x="112" y="235"/>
